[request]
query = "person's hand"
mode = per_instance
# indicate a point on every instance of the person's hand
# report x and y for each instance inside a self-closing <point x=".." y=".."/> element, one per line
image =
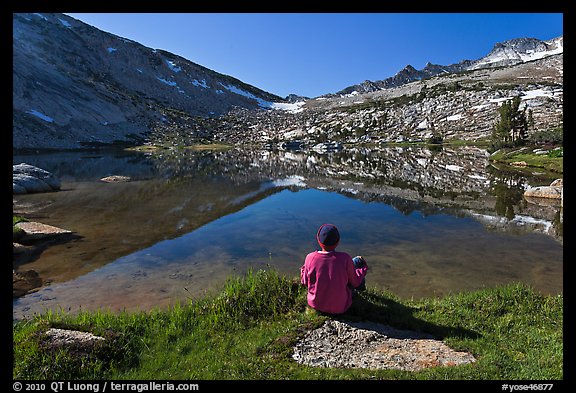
<point x="359" y="262"/>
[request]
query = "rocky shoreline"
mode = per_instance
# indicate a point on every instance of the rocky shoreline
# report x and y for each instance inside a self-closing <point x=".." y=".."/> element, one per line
<point x="31" y="238"/>
<point x="34" y="238"/>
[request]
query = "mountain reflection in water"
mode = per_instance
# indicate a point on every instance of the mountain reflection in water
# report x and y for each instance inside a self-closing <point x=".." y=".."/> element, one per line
<point x="428" y="222"/>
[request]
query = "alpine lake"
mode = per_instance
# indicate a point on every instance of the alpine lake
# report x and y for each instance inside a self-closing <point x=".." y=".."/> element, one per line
<point x="429" y="222"/>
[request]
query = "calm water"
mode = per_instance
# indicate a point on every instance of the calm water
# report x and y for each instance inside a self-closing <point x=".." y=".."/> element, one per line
<point x="429" y="223"/>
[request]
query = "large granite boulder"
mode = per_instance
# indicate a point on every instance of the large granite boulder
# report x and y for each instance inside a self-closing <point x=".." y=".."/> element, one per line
<point x="28" y="179"/>
<point x="555" y="191"/>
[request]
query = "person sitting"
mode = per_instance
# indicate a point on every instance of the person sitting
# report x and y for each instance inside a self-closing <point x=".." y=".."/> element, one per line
<point x="331" y="275"/>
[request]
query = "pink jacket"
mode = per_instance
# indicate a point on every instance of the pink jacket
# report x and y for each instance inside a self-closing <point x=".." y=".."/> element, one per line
<point x="327" y="276"/>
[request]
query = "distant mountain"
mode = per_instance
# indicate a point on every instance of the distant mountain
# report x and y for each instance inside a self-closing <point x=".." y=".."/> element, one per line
<point x="519" y="50"/>
<point x="75" y="85"/>
<point x="507" y="53"/>
<point x="295" y="98"/>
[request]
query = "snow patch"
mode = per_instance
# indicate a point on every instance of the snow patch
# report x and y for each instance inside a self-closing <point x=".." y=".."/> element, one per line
<point x="262" y="103"/>
<point x="295" y="180"/>
<point x="526" y="95"/>
<point x="422" y="125"/>
<point x="202" y="84"/>
<point x="500" y="100"/>
<point x="527" y="220"/>
<point x="173" y="66"/>
<point x="507" y="54"/>
<point x="65" y="23"/>
<point x="518" y="220"/>
<point x="292" y="134"/>
<point x="531" y="94"/>
<point x="422" y="161"/>
<point x="540" y="55"/>
<point x="169" y="83"/>
<point x="350" y="191"/>
<point x="40" y="115"/>
<point x="41" y="16"/>
<point x="111" y="50"/>
<point x="453" y="167"/>
<point x="454" y="117"/>
<point x="293" y="108"/>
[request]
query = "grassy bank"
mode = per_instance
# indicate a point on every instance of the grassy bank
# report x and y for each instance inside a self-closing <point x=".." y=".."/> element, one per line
<point x="196" y="147"/>
<point x="248" y="329"/>
<point x="552" y="161"/>
<point x="17" y="232"/>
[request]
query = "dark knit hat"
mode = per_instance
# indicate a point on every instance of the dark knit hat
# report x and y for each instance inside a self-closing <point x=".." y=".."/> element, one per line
<point x="328" y="236"/>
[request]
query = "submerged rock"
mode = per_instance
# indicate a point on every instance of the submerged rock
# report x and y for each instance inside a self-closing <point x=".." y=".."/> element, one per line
<point x="25" y="282"/>
<point x="115" y="179"/>
<point x="37" y="231"/>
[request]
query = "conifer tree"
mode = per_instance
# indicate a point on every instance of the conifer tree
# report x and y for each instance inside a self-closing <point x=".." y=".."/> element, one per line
<point x="530" y="120"/>
<point x="512" y="128"/>
<point x="519" y="122"/>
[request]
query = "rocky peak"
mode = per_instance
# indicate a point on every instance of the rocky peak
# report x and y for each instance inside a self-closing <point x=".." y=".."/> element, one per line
<point x="519" y="50"/>
<point x="292" y="98"/>
<point x="408" y="69"/>
<point x="506" y="53"/>
<point x="520" y="45"/>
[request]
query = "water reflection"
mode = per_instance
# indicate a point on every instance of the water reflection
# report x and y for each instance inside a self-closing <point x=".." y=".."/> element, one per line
<point x="534" y="214"/>
<point x="431" y="222"/>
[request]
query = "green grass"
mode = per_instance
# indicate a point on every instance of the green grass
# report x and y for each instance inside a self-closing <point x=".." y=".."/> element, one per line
<point x="483" y="142"/>
<point x="17" y="232"/>
<point x="210" y="146"/>
<point x="553" y="161"/>
<point x="247" y="332"/>
<point x="196" y="147"/>
<point x="145" y="148"/>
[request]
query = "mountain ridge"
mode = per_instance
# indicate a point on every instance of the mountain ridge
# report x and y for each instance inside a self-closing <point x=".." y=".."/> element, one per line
<point x="75" y="86"/>
<point x="506" y="53"/>
<point x="82" y="86"/>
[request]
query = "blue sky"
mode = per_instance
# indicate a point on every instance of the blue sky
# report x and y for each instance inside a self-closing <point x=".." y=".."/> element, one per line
<point x="319" y="53"/>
